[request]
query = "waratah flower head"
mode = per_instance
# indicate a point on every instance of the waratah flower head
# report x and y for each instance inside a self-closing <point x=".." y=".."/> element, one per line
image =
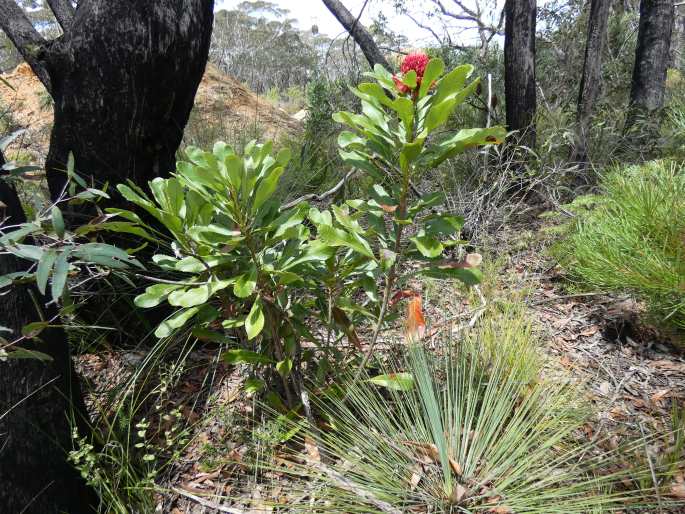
<point x="416" y="62"/>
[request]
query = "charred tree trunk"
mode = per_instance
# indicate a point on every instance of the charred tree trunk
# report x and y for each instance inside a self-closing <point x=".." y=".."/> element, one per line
<point x="519" y="68"/>
<point x="36" y="398"/>
<point x="123" y="77"/>
<point x="123" y="91"/>
<point x="358" y="32"/>
<point x="590" y="83"/>
<point x="651" y="63"/>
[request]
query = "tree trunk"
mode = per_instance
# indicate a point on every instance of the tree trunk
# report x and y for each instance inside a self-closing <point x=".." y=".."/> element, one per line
<point x="519" y="68"/>
<point x="590" y="83"/>
<point x="677" y="56"/>
<point x="358" y="32"/>
<point x="122" y="111"/>
<point x="123" y="78"/>
<point x="35" y="399"/>
<point x="651" y="62"/>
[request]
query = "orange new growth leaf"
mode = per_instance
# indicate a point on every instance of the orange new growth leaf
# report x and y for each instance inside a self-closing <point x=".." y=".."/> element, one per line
<point x="415" y="323"/>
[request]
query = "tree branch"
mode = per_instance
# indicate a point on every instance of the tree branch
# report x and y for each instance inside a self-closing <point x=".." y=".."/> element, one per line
<point x="63" y="11"/>
<point x="25" y="38"/>
<point x="358" y="32"/>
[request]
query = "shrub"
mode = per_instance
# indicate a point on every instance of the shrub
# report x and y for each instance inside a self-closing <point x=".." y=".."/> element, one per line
<point x="632" y="238"/>
<point x="236" y="266"/>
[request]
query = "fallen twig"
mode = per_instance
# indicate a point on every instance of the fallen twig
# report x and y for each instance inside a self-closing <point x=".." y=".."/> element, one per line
<point x="322" y="196"/>
<point x="207" y="503"/>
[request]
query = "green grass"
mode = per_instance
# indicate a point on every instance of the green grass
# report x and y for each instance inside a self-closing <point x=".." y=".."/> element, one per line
<point x="632" y="240"/>
<point x="479" y="431"/>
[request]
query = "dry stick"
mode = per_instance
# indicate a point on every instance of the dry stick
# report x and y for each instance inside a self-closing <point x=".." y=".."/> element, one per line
<point x="651" y="470"/>
<point x="349" y="486"/>
<point x="322" y="196"/>
<point x="207" y="503"/>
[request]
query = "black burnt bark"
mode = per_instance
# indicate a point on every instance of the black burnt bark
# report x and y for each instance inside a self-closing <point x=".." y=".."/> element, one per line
<point x="36" y="396"/>
<point x="123" y="78"/>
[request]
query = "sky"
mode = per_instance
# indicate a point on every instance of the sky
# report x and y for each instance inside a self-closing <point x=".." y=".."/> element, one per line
<point x="314" y="12"/>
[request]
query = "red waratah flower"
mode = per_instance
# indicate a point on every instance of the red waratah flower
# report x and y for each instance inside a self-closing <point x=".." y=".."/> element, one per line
<point x="416" y="62"/>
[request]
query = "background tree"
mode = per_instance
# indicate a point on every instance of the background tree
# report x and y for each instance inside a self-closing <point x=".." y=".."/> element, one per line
<point x="360" y="35"/>
<point x="590" y="82"/>
<point x="651" y="63"/>
<point x="519" y="68"/>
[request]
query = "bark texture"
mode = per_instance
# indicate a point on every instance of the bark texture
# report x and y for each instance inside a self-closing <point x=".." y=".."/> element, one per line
<point x="358" y="32"/>
<point x="124" y="80"/>
<point x="590" y="83"/>
<point x="519" y="68"/>
<point x="35" y="399"/>
<point x="651" y="63"/>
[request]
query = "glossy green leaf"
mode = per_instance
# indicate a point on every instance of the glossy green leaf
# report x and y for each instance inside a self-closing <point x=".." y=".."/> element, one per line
<point x="267" y="187"/>
<point x="428" y="246"/>
<point x="180" y="318"/>
<point x="154" y="295"/>
<point x="254" y="323"/>
<point x="435" y="68"/>
<point x="245" y="284"/>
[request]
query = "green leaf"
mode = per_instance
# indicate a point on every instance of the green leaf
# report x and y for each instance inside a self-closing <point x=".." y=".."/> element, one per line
<point x="57" y="221"/>
<point x="254" y="385"/>
<point x="240" y="356"/>
<point x="189" y="297"/>
<point x="337" y="237"/>
<point x="23" y="353"/>
<point x="394" y="381"/>
<point x="434" y="69"/>
<point x="167" y="327"/>
<point x="246" y="283"/>
<point x="30" y="252"/>
<point x="428" y="246"/>
<point x="470" y="277"/>
<point x="444" y="225"/>
<point x="409" y="79"/>
<point x="283" y="156"/>
<point x="31" y="330"/>
<point x="284" y="367"/>
<point x="254" y="323"/>
<point x="44" y="270"/>
<point x="468" y="138"/>
<point x="59" y="275"/>
<point x="154" y="295"/>
<point x="267" y="187"/>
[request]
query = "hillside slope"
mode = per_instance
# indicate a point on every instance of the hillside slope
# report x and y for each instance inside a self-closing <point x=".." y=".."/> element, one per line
<point x="221" y="101"/>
